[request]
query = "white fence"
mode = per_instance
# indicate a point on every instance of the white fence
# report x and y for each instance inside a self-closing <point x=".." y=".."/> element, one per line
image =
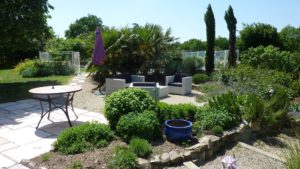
<point x="71" y="56"/>
<point x="221" y="57"/>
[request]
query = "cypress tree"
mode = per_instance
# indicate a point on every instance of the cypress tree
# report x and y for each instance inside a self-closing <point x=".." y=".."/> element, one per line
<point x="210" y="34"/>
<point x="231" y="25"/>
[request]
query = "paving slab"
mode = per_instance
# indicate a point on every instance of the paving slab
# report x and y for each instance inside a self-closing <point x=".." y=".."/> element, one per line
<point x="2" y="105"/>
<point x="6" y="162"/>
<point x="17" y="106"/>
<point x="18" y="166"/>
<point x="31" y="150"/>
<point x="25" y="135"/>
<point x="7" y="146"/>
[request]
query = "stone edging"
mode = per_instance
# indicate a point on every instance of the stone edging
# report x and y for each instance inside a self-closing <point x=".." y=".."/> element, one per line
<point x="204" y="150"/>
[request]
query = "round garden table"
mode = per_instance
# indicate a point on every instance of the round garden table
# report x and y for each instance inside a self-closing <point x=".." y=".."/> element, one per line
<point x="59" y="96"/>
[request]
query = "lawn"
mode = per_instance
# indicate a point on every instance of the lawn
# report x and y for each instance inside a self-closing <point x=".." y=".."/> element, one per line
<point x="14" y="87"/>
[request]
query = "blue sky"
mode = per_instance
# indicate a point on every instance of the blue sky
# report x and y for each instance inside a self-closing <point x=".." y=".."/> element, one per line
<point x="184" y="17"/>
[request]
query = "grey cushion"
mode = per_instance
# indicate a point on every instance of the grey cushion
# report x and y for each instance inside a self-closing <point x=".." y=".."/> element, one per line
<point x="144" y="84"/>
<point x="177" y="84"/>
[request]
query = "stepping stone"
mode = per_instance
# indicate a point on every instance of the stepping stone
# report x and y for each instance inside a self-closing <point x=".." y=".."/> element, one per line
<point x="190" y="165"/>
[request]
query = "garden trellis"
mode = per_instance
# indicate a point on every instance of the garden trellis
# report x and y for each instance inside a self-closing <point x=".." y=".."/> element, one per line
<point x="72" y="57"/>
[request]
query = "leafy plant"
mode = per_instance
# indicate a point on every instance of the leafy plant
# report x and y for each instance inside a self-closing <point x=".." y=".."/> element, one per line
<point x="200" y="78"/>
<point x="75" y="165"/>
<point x="124" y="159"/>
<point x="122" y="102"/>
<point x="281" y="60"/>
<point x="226" y="101"/>
<point x="208" y="117"/>
<point x="46" y="156"/>
<point x="293" y="156"/>
<point x="251" y="106"/>
<point x="140" y="147"/>
<point x="143" y="125"/>
<point x="176" y="111"/>
<point x="217" y="130"/>
<point x="83" y="137"/>
<point x="38" y="68"/>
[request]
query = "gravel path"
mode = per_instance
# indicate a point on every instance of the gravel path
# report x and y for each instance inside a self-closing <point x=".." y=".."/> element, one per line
<point x="86" y="99"/>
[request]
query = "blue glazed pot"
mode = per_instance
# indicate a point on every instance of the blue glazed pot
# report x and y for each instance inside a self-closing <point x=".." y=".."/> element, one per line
<point x="178" y="129"/>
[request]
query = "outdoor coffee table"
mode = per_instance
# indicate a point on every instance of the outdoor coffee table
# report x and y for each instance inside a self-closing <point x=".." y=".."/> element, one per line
<point x="58" y="97"/>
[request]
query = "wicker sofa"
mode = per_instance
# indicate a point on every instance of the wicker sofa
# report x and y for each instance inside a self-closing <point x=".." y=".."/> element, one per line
<point x="179" y="84"/>
<point x="120" y="82"/>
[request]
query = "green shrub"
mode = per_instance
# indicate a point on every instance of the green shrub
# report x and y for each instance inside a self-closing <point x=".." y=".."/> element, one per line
<point x="23" y="65"/>
<point x="143" y="125"/>
<point x="251" y="106"/>
<point x="124" y="159"/>
<point x="226" y="101"/>
<point x="83" y="137"/>
<point x="293" y="156"/>
<point x="263" y="56"/>
<point x="209" y="117"/>
<point x="217" y="130"/>
<point x="127" y="100"/>
<point x="200" y="78"/>
<point x="176" y="111"/>
<point x="246" y="79"/>
<point x="38" y="68"/>
<point x="46" y="156"/>
<point x="140" y="147"/>
<point x="75" y="165"/>
<point x="30" y="72"/>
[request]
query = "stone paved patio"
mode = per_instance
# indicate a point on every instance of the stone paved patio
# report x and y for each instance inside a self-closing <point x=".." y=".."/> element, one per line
<point x="18" y="137"/>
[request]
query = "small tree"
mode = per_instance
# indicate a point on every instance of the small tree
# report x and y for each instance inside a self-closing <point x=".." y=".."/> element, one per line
<point x="84" y="25"/>
<point x="231" y="25"/>
<point x="259" y="34"/>
<point x="210" y="34"/>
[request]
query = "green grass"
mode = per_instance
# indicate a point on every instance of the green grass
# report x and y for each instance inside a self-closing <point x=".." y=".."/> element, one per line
<point x="14" y="87"/>
<point x="211" y="89"/>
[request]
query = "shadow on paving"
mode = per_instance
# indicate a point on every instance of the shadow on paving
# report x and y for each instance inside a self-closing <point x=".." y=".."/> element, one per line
<point x="19" y="90"/>
<point x="56" y="128"/>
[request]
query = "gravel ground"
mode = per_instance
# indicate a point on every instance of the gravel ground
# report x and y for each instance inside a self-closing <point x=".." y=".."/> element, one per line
<point x="245" y="158"/>
<point x="86" y="99"/>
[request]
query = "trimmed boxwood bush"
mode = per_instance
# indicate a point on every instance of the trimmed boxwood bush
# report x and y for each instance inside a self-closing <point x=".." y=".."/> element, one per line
<point x="83" y="137"/>
<point x="209" y="117"/>
<point x="124" y="159"/>
<point x="122" y="102"/>
<point x="176" y="111"/>
<point x="140" y="147"/>
<point x="200" y="78"/>
<point x="143" y="125"/>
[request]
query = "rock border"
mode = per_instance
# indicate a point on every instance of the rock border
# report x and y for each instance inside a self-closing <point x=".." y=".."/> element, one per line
<point x="207" y="146"/>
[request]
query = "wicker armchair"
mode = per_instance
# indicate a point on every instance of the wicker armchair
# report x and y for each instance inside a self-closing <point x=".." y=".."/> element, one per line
<point x="121" y="82"/>
<point x="178" y="84"/>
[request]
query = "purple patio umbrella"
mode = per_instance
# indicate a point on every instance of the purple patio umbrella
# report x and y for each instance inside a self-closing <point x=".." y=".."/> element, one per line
<point x="98" y="53"/>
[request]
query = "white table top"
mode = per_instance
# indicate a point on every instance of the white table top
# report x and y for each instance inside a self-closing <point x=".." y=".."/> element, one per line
<point x="58" y="89"/>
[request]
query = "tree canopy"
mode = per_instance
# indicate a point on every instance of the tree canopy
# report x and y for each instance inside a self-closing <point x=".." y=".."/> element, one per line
<point x="23" y="29"/>
<point x="83" y="25"/>
<point x="193" y="45"/>
<point x="259" y="34"/>
<point x="290" y="37"/>
<point x="231" y="26"/>
<point x="210" y="34"/>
